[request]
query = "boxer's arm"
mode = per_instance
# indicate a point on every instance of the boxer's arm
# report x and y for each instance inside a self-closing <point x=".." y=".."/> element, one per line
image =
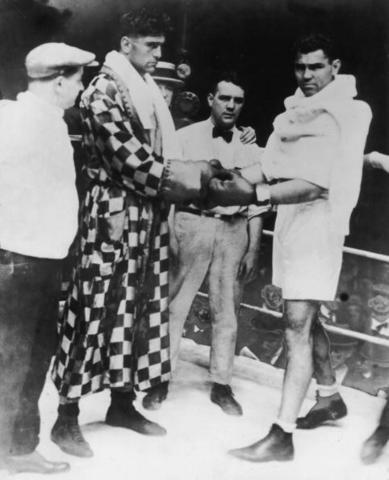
<point x="295" y="191"/>
<point x="236" y="190"/>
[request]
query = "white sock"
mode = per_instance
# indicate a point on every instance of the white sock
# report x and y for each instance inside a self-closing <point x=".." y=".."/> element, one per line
<point x="286" y="426"/>
<point x="327" y="390"/>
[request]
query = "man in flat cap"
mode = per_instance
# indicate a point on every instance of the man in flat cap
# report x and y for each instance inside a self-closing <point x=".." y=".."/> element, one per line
<point x="38" y="217"/>
<point x="115" y="331"/>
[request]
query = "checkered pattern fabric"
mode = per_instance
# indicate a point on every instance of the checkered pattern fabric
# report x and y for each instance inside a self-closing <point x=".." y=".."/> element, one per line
<point x="115" y="326"/>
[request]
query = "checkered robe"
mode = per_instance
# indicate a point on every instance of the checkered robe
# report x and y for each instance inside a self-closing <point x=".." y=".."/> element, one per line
<point x="115" y="326"/>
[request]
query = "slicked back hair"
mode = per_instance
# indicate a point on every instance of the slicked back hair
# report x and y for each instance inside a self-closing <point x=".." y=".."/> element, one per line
<point x="143" y="22"/>
<point x="230" y="76"/>
<point x="313" y="42"/>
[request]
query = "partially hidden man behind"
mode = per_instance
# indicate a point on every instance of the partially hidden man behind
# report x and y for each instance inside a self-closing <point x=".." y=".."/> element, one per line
<point x="315" y="153"/>
<point x="115" y="327"/>
<point x="373" y="447"/>
<point x="223" y="241"/>
<point x="38" y="217"/>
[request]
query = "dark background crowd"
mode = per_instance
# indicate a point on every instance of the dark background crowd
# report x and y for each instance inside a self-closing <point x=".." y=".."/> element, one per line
<point x="256" y="38"/>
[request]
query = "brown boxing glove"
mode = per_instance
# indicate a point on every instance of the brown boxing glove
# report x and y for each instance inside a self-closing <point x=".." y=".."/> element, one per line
<point x="230" y="188"/>
<point x="188" y="181"/>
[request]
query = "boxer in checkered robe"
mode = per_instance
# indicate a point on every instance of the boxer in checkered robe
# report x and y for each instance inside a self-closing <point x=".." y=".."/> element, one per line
<point x="122" y="264"/>
<point x="115" y="327"/>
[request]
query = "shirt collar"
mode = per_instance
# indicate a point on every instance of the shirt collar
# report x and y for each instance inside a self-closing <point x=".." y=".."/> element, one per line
<point x="39" y="102"/>
<point x="211" y="124"/>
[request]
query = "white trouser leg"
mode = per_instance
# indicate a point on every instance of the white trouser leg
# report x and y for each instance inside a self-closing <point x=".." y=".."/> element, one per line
<point x="224" y="295"/>
<point x="193" y="243"/>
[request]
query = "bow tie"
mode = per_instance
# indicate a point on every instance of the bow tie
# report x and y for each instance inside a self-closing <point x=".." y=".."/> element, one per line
<point x="225" y="134"/>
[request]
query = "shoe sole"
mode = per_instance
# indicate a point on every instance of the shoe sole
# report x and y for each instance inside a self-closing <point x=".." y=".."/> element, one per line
<point x="370" y="460"/>
<point x="232" y="413"/>
<point x="70" y="451"/>
<point x="15" y="469"/>
<point x="372" y="456"/>
<point x="288" y="458"/>
<point x="141" y="432"/>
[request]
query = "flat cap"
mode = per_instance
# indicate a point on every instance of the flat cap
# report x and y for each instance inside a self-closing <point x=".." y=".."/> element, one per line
<point x="50" y="59"/>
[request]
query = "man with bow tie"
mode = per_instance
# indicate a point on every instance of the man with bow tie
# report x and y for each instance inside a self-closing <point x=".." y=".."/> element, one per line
<point x="223" y="241"/>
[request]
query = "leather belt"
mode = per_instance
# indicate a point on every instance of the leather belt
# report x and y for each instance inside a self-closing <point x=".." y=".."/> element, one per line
<point x="202" y="213"/>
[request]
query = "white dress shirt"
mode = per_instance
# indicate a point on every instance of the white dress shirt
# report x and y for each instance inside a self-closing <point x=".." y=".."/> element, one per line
<point x="198" y="143"/>
<point x="38" y="197"/>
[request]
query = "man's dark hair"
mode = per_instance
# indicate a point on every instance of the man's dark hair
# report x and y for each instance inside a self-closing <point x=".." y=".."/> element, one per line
<point x="144" y="22"/>
<point x="313" y="42"/>
<point x="230" y="76"/>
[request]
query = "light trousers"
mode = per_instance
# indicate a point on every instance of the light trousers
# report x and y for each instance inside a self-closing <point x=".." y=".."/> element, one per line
<point x="199" y="245"/>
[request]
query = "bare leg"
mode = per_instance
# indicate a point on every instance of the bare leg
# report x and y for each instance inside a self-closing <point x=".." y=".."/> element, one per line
<point x="299" y="317"/>
<point x="323" y="370"/>
<point x="329" y="404"/>
<point x="278" y="444"/>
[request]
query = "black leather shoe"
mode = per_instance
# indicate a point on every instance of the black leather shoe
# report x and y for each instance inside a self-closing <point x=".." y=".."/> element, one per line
<point x="222" y="395"/>
<point x="34" y="463"/>
<point x="333" y="410"/>
<point x="133" y="420"/>
<point x="276" y="446"/>
<point x="66" y="433"/>
<point x="155" y="396"/>
<point x="374" y="446"/>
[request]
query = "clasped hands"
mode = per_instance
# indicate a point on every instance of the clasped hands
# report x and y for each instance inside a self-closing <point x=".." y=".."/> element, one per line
<point x="206" y="183"/>
<point x="226" y="187"/>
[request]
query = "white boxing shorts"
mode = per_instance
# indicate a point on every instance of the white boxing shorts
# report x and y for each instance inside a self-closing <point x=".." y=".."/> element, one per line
<point x="307" y="252"/>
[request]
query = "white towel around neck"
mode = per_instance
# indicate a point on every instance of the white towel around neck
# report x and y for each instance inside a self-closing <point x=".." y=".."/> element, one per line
<point x="147" y="99"/>
<point x="352" y="118"/>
